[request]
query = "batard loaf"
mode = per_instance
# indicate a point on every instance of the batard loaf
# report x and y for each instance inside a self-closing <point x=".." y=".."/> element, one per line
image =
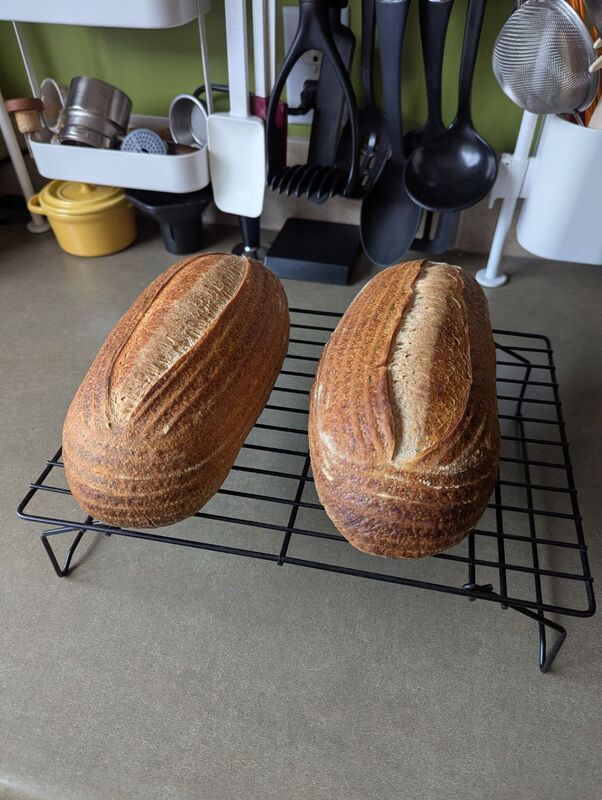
<point x="166" y="405"/>
<point x="403" y="428"/>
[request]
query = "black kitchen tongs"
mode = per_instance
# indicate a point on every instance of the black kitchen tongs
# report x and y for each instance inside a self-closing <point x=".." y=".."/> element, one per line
<point x="319" y="179"/>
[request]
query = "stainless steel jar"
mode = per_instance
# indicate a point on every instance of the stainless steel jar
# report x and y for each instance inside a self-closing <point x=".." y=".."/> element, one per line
<point x="96" y="113"/>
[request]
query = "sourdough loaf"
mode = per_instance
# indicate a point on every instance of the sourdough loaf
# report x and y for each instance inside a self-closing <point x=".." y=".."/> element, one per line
<point x="403" y="428"/>
<point x="166" y="405"/>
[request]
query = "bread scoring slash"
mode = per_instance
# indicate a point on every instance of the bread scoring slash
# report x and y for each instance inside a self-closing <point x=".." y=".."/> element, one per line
<point x="403" y="428"/>
<point x="163" y="411"/>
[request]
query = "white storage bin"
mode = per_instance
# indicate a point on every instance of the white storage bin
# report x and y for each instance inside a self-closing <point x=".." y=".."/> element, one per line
<point x="110" y="13"/>
<point x="160" y="173"/>
<point x="560" y="218"/>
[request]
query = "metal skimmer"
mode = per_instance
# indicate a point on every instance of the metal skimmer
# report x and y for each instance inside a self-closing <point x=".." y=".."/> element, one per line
<point x="541" y="58"/>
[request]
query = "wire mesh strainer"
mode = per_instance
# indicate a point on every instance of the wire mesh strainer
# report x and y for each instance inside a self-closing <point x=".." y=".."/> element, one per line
<point x="541" y="58"/>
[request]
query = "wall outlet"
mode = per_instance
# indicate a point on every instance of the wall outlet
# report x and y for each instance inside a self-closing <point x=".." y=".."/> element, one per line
<point x="307" y="67"/>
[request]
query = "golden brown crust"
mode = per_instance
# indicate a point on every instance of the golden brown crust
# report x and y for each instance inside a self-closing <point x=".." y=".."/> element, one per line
<point x="150" y="454"/>
<point x="405" y="446"/>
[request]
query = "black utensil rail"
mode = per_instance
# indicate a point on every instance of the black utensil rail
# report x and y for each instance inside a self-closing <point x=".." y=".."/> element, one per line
<point x="528" y="552"/>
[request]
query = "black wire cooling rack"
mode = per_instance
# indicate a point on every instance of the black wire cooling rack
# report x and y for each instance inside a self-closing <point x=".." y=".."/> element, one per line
<point x="527" y="554"/>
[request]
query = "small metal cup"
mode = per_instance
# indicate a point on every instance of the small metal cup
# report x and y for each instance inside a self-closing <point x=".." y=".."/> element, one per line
<point x="54" y="97"/>
<point x="96" y="113"/>
<point x="188" y="121"/>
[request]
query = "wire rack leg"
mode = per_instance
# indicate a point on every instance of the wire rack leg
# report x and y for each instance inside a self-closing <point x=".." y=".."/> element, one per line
<point x="546" y="655"/>
<point x="64" y="570"/>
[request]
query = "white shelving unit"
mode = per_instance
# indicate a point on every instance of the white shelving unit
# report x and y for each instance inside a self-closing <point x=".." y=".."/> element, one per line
<point x="162" y="173"/>
<point x="165" y="173"/>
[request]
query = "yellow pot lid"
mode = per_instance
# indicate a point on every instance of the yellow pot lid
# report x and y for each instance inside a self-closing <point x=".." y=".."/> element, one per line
<point x="73" y="197"/>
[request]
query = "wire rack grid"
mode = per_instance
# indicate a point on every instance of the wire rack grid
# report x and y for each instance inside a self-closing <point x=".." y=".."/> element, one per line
<point x="528" y="552"/>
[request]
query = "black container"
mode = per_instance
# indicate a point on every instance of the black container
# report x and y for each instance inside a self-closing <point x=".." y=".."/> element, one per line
<point x="179" y="216"/>
<point x="311" y="250"/>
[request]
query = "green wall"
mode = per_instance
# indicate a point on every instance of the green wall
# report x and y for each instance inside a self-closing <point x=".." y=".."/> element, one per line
<point x="153" y="66"/>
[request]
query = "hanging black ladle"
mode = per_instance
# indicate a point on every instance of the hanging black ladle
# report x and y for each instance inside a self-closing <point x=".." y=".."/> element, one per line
<point x="440" y="230"/>
<point x="434" y="21"/>
<point x="458" y="168"/>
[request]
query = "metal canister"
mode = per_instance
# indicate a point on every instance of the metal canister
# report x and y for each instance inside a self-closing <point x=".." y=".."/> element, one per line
<point x="96" y="113"/>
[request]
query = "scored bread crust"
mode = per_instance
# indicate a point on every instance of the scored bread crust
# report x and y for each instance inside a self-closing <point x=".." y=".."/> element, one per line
<point x="403" y="428"/>
<point x="163" y="411"/>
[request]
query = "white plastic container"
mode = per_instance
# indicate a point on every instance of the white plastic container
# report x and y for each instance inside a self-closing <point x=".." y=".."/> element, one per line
<point x="111" y="13"/>
<point x="560" y="217"/>
<point x="160" y="173"/>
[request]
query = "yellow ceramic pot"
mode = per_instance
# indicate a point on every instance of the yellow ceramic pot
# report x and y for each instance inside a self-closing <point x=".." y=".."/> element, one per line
<point x="87" y="220"/>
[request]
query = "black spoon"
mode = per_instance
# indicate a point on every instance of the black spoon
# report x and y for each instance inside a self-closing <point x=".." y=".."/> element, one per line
<point x="458" y="168"/>
<point x="439" y="234"/>
<point x="389" y="218"/>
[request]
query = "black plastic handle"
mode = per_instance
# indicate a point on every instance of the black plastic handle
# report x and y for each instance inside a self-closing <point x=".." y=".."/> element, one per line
<point x="250" y="230"/>
<point x="329" y="109"/>
<point x="434" y="20"/>
<point x="391" y="18"/>
<point x="313" y="33"/>
<point x="470" y="46"/>
<point x="313" y="19"/>
<point x="367" y="53"/>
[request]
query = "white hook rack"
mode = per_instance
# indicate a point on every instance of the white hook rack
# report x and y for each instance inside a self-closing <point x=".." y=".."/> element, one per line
<point x="510" y="186"/>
